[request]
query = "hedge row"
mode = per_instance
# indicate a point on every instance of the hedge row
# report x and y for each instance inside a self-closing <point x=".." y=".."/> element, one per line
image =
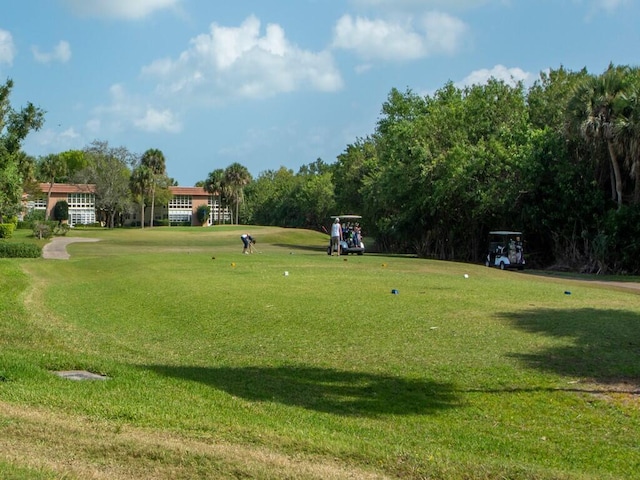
<point x="20" y="250"/>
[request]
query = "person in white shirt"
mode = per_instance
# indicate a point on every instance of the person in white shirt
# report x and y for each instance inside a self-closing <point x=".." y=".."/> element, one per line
<point x="336" y="236"/>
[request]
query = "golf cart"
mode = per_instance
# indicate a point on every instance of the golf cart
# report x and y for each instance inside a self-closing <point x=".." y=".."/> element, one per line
<point x="505" y="250"/>
<point x="351" y="235"/>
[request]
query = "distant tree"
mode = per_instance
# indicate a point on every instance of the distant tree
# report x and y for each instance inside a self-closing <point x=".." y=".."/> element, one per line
<point x="627" y="132"/>
<point x="202" y="214"/>
<point x="272" y="198"/>
<point x="316" y="199"/>
<point x="315" y="168"/>
<point x="109" y="170"/>
<point x="236" y="177"/>
<point x="154" y="160"/>
<point x="14" y="127"/>
<point x="349" y="172"/>
<point x="140" y="183"/>
<point x="215" y="185"/>
<point x="27" y="167"/>
<point x="75" y="161"/>
<point x="548" y="97"/>
<point x="51" y="168"/>
<point x="591" y="114"/>
<point x="61" y="211"/>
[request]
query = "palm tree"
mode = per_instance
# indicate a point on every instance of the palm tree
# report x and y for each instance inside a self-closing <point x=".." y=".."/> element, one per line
<point x="215" y="185"/>
<point x="51" y="167"/>
<point x="591" y="112"/>
<point x="154" y="160"/>
<point x="627" y="130"/>
<point x="236" y="177"/>
<point x="141" y="182"/>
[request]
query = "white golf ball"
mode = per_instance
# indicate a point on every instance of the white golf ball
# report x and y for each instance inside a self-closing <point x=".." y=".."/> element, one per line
<point x="286" y="274"/>
<point x="466" y="275"/>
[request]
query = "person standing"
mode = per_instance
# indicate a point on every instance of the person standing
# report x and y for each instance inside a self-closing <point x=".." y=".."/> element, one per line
<point x="336" y="236"/>
<point x="247" y="240"/>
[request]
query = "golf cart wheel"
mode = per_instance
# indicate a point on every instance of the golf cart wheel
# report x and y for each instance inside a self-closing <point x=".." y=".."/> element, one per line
<point x="486" y="263"/>
<point x="502" y="266"/>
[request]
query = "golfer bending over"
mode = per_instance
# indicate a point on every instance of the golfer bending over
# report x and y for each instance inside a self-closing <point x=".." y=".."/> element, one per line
<point x="247" y="241"/>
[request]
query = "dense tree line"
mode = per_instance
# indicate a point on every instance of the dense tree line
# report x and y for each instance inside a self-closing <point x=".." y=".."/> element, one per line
<point x="559" y="161"/>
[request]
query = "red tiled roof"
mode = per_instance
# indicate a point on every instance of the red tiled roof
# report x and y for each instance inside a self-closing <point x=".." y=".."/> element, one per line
<point x="90" y="188"/>
<point x="189" y="191"/>
<point x="68" y="188"/>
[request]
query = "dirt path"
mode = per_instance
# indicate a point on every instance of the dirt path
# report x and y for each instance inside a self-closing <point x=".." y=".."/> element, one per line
<point x="56" y="249"/>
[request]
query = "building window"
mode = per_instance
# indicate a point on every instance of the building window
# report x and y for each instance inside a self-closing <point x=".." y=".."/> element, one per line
<point x="81" y="200"/>
<point x="180" y="209"/>
<point x="82" y="216"/>
<point x="81" y="208"/>
<point x="37" y="204"/>
<point x="180" y="202"/>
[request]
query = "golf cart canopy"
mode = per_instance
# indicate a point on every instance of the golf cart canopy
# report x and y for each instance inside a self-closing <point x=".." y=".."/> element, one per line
<point x="504" y="232"/>
<point x="506" y="250"/>
<point x="347" y="217"/>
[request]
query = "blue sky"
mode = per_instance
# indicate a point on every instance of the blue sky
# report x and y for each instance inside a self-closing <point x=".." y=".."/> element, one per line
<point x="272" y="83"/>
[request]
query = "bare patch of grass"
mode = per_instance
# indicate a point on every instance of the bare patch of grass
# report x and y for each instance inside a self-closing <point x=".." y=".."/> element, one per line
<point x="103" y="450"/>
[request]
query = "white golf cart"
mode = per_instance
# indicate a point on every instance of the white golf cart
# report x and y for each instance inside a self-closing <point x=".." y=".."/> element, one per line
<point x="505" y="250"/>
<point x="351" y="235"/>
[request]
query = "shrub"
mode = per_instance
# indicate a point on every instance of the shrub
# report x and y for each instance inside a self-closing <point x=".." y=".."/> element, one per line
<point x="20" y="250"/>
<point x="61" y="229"/>
<point x="61" y="211"/>
<point x="31" y="218"/>
<point x="89" y="225"/>
<point x="43" y="230"/>
<point x="202" y="214"/>
<point x="6" y="229"/>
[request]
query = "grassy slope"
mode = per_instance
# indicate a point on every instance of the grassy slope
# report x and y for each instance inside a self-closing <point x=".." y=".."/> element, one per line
<point x="221" y="366"/>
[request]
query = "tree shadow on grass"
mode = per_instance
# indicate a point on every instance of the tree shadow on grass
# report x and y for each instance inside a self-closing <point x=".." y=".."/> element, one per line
<point x="604" y="345"/>
<point x="310" y="248"/>
<point x="324" y="390"/>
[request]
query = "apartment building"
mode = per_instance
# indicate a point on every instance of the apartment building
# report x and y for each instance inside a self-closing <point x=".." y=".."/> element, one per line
<point x="81" y="198"/>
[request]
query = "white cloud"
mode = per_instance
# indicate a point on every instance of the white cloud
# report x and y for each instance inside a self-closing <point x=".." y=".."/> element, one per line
<point x="70" y="133"/>
<point x="413" y="4"/>
<point x="49" y="140"/>
<point x="94" y="126"/>
<point x="7" y="47"/>
<point x="243" y="61"/>
<point x="125" y="9"/>
<point x="435" y="33"/>
<point x="608" y="6"/>
<point x="499" y="72"/>
<point x="444" y="33"/>
<point x="61" y="53"/>
<point x="158" y="121"/>
<point x="127" y="111"/>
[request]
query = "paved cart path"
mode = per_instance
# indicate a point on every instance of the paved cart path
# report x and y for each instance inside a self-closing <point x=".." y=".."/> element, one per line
<point x="56" y="249"/>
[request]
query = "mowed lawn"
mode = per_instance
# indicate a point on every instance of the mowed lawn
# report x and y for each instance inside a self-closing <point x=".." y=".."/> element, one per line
<point x="221" y="366"/>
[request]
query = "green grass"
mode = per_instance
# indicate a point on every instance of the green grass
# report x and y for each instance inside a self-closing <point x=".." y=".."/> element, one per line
<point x="222" y="367"/>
